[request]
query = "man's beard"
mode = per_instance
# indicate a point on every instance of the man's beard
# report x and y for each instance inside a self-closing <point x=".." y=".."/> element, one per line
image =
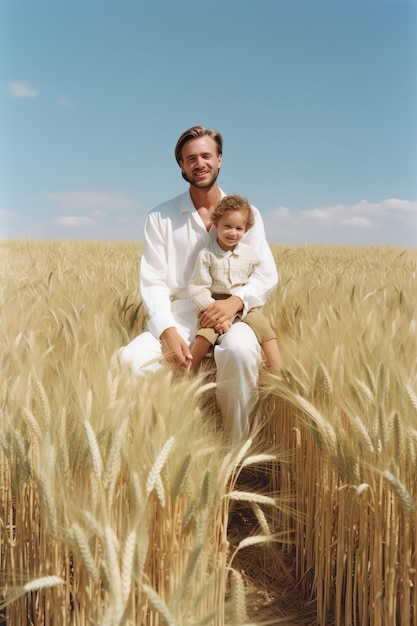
<point x="205" y="185"/>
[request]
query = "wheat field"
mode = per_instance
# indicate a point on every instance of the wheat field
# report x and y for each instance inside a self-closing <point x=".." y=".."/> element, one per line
<point x="120" y="503"/>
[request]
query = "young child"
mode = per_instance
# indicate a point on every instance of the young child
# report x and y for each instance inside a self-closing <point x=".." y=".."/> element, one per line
<point x="221" y="267"/>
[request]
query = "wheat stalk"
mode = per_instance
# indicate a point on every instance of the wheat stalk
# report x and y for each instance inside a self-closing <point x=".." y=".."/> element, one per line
<point x="84" y="548"/>
<point x="412" y="395"/>
<point x="248" y="496"/>
<point x="159" y="605"/>
<point x="127" y="564"/>
<point x="95" y="454"/>
<point x="31" y="420"/>
<point x="158" y="465"/>
<point x="114" y="460"/>
<point x="238" y="597"/>
<point x="405" y="498"/>
<point x="113" y="574"/>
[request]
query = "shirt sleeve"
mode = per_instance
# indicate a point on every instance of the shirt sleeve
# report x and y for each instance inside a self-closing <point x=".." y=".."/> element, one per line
<point x="199" y="287"/>
<point x="265" y="276"/>
<point x="154" y="288"/>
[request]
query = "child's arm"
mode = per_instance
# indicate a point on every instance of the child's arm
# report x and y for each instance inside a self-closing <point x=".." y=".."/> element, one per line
<point x="199" y="287"/>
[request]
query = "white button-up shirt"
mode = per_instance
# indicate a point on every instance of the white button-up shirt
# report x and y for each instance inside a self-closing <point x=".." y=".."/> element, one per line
<point x="174" y="235"/>
<point x="220" y="271"/>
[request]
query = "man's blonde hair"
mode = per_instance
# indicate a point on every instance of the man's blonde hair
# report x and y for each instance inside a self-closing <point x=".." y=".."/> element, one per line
<point x="194" y="133"/>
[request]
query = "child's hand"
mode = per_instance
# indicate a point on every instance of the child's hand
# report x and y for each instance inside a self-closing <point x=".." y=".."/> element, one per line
<point x="221" y="311"/>
<point x="224" y="327"/>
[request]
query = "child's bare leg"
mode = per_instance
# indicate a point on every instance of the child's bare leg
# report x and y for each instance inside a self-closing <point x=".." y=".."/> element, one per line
<point x="272" y="355"/>
<point x="199" y="350"/>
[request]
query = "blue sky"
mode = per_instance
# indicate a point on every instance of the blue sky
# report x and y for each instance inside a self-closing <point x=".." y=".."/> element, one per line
<point x="316" y="101"/>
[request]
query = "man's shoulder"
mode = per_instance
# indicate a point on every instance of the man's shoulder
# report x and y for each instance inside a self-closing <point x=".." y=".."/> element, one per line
<point x="171" y="207"/>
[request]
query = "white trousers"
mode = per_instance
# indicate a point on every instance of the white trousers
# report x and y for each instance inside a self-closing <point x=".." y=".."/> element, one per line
<point x="237" y="356"/>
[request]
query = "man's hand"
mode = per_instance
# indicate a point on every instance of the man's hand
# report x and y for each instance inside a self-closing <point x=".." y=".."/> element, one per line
<point x="221" y="313"/>
<point x="175" y="349"/>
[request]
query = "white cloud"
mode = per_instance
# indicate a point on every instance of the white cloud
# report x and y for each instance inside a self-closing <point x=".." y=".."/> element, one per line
<point x="86" y="228"/>
<point x="318" y="214"/>
<point x="386" y="207"/>
<point x="6" y="215"/>
<point x="21" y="90"/>
<point x="64" y="102"/>
<point x="392" y="222"/>
<point x="358" y="222"/>
<point x="283" y="214"/>
<point x="75" y="222"/>
<point x="95" y="213"/>
<point x="91" y="200"/>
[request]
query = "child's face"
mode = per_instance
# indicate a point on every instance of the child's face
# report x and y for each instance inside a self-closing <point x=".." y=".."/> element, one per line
<point x="230" y="229"/>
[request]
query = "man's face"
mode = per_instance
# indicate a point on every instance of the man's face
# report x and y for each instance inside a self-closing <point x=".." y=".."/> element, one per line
<point x="200" y="163"/>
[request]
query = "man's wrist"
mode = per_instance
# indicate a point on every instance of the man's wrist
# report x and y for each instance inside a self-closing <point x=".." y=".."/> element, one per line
<point x="239" y="303"/>
<point x="166" y="332"/>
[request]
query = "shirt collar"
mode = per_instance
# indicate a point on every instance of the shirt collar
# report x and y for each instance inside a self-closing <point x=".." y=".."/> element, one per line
<point x="219" y="251"/>
<point x="187" y="205"/>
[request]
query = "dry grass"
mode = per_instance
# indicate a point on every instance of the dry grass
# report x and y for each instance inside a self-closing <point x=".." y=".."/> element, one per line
<point x="120" y="503"/>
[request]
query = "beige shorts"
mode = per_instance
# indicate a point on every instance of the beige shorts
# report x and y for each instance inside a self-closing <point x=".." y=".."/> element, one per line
<point x="255" y="319"/>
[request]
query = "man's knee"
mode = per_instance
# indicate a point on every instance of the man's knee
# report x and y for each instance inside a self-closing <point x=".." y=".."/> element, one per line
<point x="141" y="352"/>
<point x="240" y="345"/>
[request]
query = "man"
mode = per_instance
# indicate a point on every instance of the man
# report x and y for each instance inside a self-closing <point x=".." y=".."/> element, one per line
<point x="175" y="232"/>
